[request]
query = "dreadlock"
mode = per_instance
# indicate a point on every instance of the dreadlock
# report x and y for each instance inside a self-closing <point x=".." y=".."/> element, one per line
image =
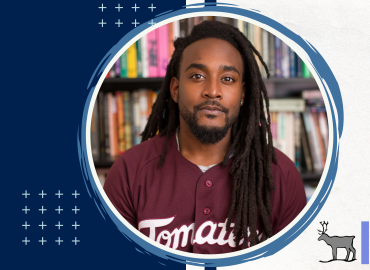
<point x="253" y="152"/>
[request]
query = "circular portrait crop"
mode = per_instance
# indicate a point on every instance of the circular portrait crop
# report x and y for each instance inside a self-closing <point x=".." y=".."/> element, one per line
<point x="209" y="136"/>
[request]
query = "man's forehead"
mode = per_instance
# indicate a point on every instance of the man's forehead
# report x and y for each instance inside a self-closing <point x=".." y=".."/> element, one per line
<point x="211" y="51"/>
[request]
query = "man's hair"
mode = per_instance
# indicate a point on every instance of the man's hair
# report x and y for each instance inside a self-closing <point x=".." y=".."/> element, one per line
<point x="252" y="151"/>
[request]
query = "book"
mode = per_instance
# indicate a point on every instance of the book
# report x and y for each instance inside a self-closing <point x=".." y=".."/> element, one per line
<point x="137" y="118"/>
<point x="127" y="124"/>
<point x="284" y="60"/>
<point x="106" y="125"/>
<point x="144" y="56"/>
<point x="265" y="51"/>
<point x="112" y="115"/>
<point x="162" y="50"/>
<point x="278" y="71"/>
<point x="287" y="105"/>
<point x="152" y="54"/>
<point x="139" y="59"/>
<point x="95" y="151"/>
<point x="305" y="71"/>
<point x="101" y="113"/>
<point x="292" y="64"/>
<point x="132" y="61"/>
<point x="120" y="122"/>
<point x="123" y="64"/>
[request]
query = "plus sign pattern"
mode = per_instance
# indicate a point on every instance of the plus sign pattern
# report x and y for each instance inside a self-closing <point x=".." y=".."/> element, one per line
<point x="139" y="9"/>
<point x="45" y="223"/>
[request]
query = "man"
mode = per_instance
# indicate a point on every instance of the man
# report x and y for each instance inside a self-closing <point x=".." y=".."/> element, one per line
<point x="210" y="181"/>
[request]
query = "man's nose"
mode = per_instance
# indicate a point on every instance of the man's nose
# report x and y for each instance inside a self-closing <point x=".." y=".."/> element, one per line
<point x="212" y="89"/>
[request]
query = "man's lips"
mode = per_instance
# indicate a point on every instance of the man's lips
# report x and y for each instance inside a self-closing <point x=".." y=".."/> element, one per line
<point x="211" y="110"/>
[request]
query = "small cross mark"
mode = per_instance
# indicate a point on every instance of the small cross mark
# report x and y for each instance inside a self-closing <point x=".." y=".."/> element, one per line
<point x="102" y="7"/>
<point x="42" y="194"/>
<point x="59" y="209"/>
<point x="75" y="241"/>
<point x="75" y="225"/>
<point x="102" y="23"/>
<point x="135" y="23"/>
<point x="26" y="241"/>
<point x="119" y="8"/>
<point x="151" y="7"/>
<point x="42" y="209"/>
<point x="75" y="194"/>
<point x="59" y="225"/>
<point x="25" y="225"/>
<point x="59" y="194"/>
<point x="26" y="209"/>
<point x="26" y="194"/>
<point x="119" y="23"/>
<point x="42" y="225"/>
<point x="135" y="7"/>
<point x="75" y="209"/>
<point x="42" y="241"/>
<point x="58" y="241"/>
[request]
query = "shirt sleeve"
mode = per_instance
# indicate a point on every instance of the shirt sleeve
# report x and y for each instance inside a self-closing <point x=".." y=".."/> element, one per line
<point x="117" y="188"/>
<point x="294" y="199"/>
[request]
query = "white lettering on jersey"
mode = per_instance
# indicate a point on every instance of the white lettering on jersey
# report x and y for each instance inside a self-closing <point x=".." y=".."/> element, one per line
<point x="200" y="238"/>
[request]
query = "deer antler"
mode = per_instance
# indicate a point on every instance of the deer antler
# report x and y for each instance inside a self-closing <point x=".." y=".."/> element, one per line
<point x="323" y="228"/>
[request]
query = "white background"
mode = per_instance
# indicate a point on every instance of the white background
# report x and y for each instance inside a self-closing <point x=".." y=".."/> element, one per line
<point x="339" y="30"/>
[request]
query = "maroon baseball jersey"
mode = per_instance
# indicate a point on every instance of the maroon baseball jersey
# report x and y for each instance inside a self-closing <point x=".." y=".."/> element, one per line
<point x="183" y="208"/>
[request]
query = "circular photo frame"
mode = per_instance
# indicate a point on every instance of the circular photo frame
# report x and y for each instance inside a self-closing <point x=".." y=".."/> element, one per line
<point x="333" y="101"/>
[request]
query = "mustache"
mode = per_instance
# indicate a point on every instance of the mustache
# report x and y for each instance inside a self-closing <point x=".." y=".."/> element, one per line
<point x="213" y="103"/>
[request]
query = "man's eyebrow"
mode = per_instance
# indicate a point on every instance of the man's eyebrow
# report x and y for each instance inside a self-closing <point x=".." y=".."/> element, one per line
<point x="229" y="68"/>
<point x="195" y="65"/>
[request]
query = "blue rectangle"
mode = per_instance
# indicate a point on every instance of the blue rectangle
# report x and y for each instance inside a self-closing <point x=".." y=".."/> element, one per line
<point x="365" y="242"/>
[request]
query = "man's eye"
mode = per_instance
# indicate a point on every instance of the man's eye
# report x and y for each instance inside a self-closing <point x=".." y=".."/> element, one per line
<point x="228" y="79"/>
<point x="196" y="76"/>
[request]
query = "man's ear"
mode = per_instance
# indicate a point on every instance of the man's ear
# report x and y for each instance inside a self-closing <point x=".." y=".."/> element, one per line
<point x="174" y="89"/>
<point x="243" y="93"/>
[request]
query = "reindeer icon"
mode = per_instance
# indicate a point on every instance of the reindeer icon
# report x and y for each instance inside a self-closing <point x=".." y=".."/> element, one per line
<point x="337" y="242"/>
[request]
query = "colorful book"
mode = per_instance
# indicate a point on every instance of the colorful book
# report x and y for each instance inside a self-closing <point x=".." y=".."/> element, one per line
<point x="144" y="56"/>
<point x="137" y="118"/>
<point x="123" y="62"/>
<point x="163" y="51"/>
<point x="143" y="101"/>
<point x="284" y="60"/>
<point x="278" y="73"/>
<point x="292" y="64"/>
<point x="139" y="59"/>
<point x="127" y="112"/>
<point x="113" y="134"/>
<point x="153" y="53"/>
<point x="132" y="61"/>
<point x="117" y="67"/>
<point x="306" y="73"/>
<point x="120" y="122"/>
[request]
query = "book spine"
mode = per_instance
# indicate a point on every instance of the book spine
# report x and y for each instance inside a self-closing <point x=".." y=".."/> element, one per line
<point x="124" y="65"/>
<point x="281" y="132"/>
<point x="112" y="107"/>
<point x="258" y="44"/>
<point x="101" y="124"/>
<point x="132" y="119"/>
<point x="127" y="127"/>
<point x="162" y="39"/>
<point x="278" y="57"/>
<point x="292" y="63"/>
<point x="153" y="54"/>
<point x="284" y="60"/>
<point x="145" y="56"/>
<point x="106" y="125"/>
<point x="139" y="59"/>
<point x="299" y="66"/>
<point x="265" y="51"/>
<point x="120" y="122"/>
<point x="182" y="25"/>
<point x="117" y="67"/>
<point x="112" y="72"/>
<point x="171" y="48"/>
<point x="137" y="117"/>
<point x="143" y="102"/>
<point x="274" y="128"/>
<point x="305" y="147"/>
<point x="324" y="130"/>
<point x="305" y="71"/>
<point x="132" y="61"/>
<point x="95" y="151"/>
<point x="297" y="141"/>
<point x="271" y="55"/>
<point x="319" y="139"/>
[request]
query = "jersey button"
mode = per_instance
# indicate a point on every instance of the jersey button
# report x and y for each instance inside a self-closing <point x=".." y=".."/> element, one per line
<point x="209" y="183"/>
<point x="206" y="211"/>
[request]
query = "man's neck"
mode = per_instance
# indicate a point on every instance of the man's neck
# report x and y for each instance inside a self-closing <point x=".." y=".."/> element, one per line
<point x="202" y="154"/>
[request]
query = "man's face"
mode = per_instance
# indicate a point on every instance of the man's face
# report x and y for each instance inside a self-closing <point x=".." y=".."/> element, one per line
<point x="210" y="88"/>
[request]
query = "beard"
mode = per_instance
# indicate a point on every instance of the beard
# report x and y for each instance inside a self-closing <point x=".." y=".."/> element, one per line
<point x="204" y="133"/>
